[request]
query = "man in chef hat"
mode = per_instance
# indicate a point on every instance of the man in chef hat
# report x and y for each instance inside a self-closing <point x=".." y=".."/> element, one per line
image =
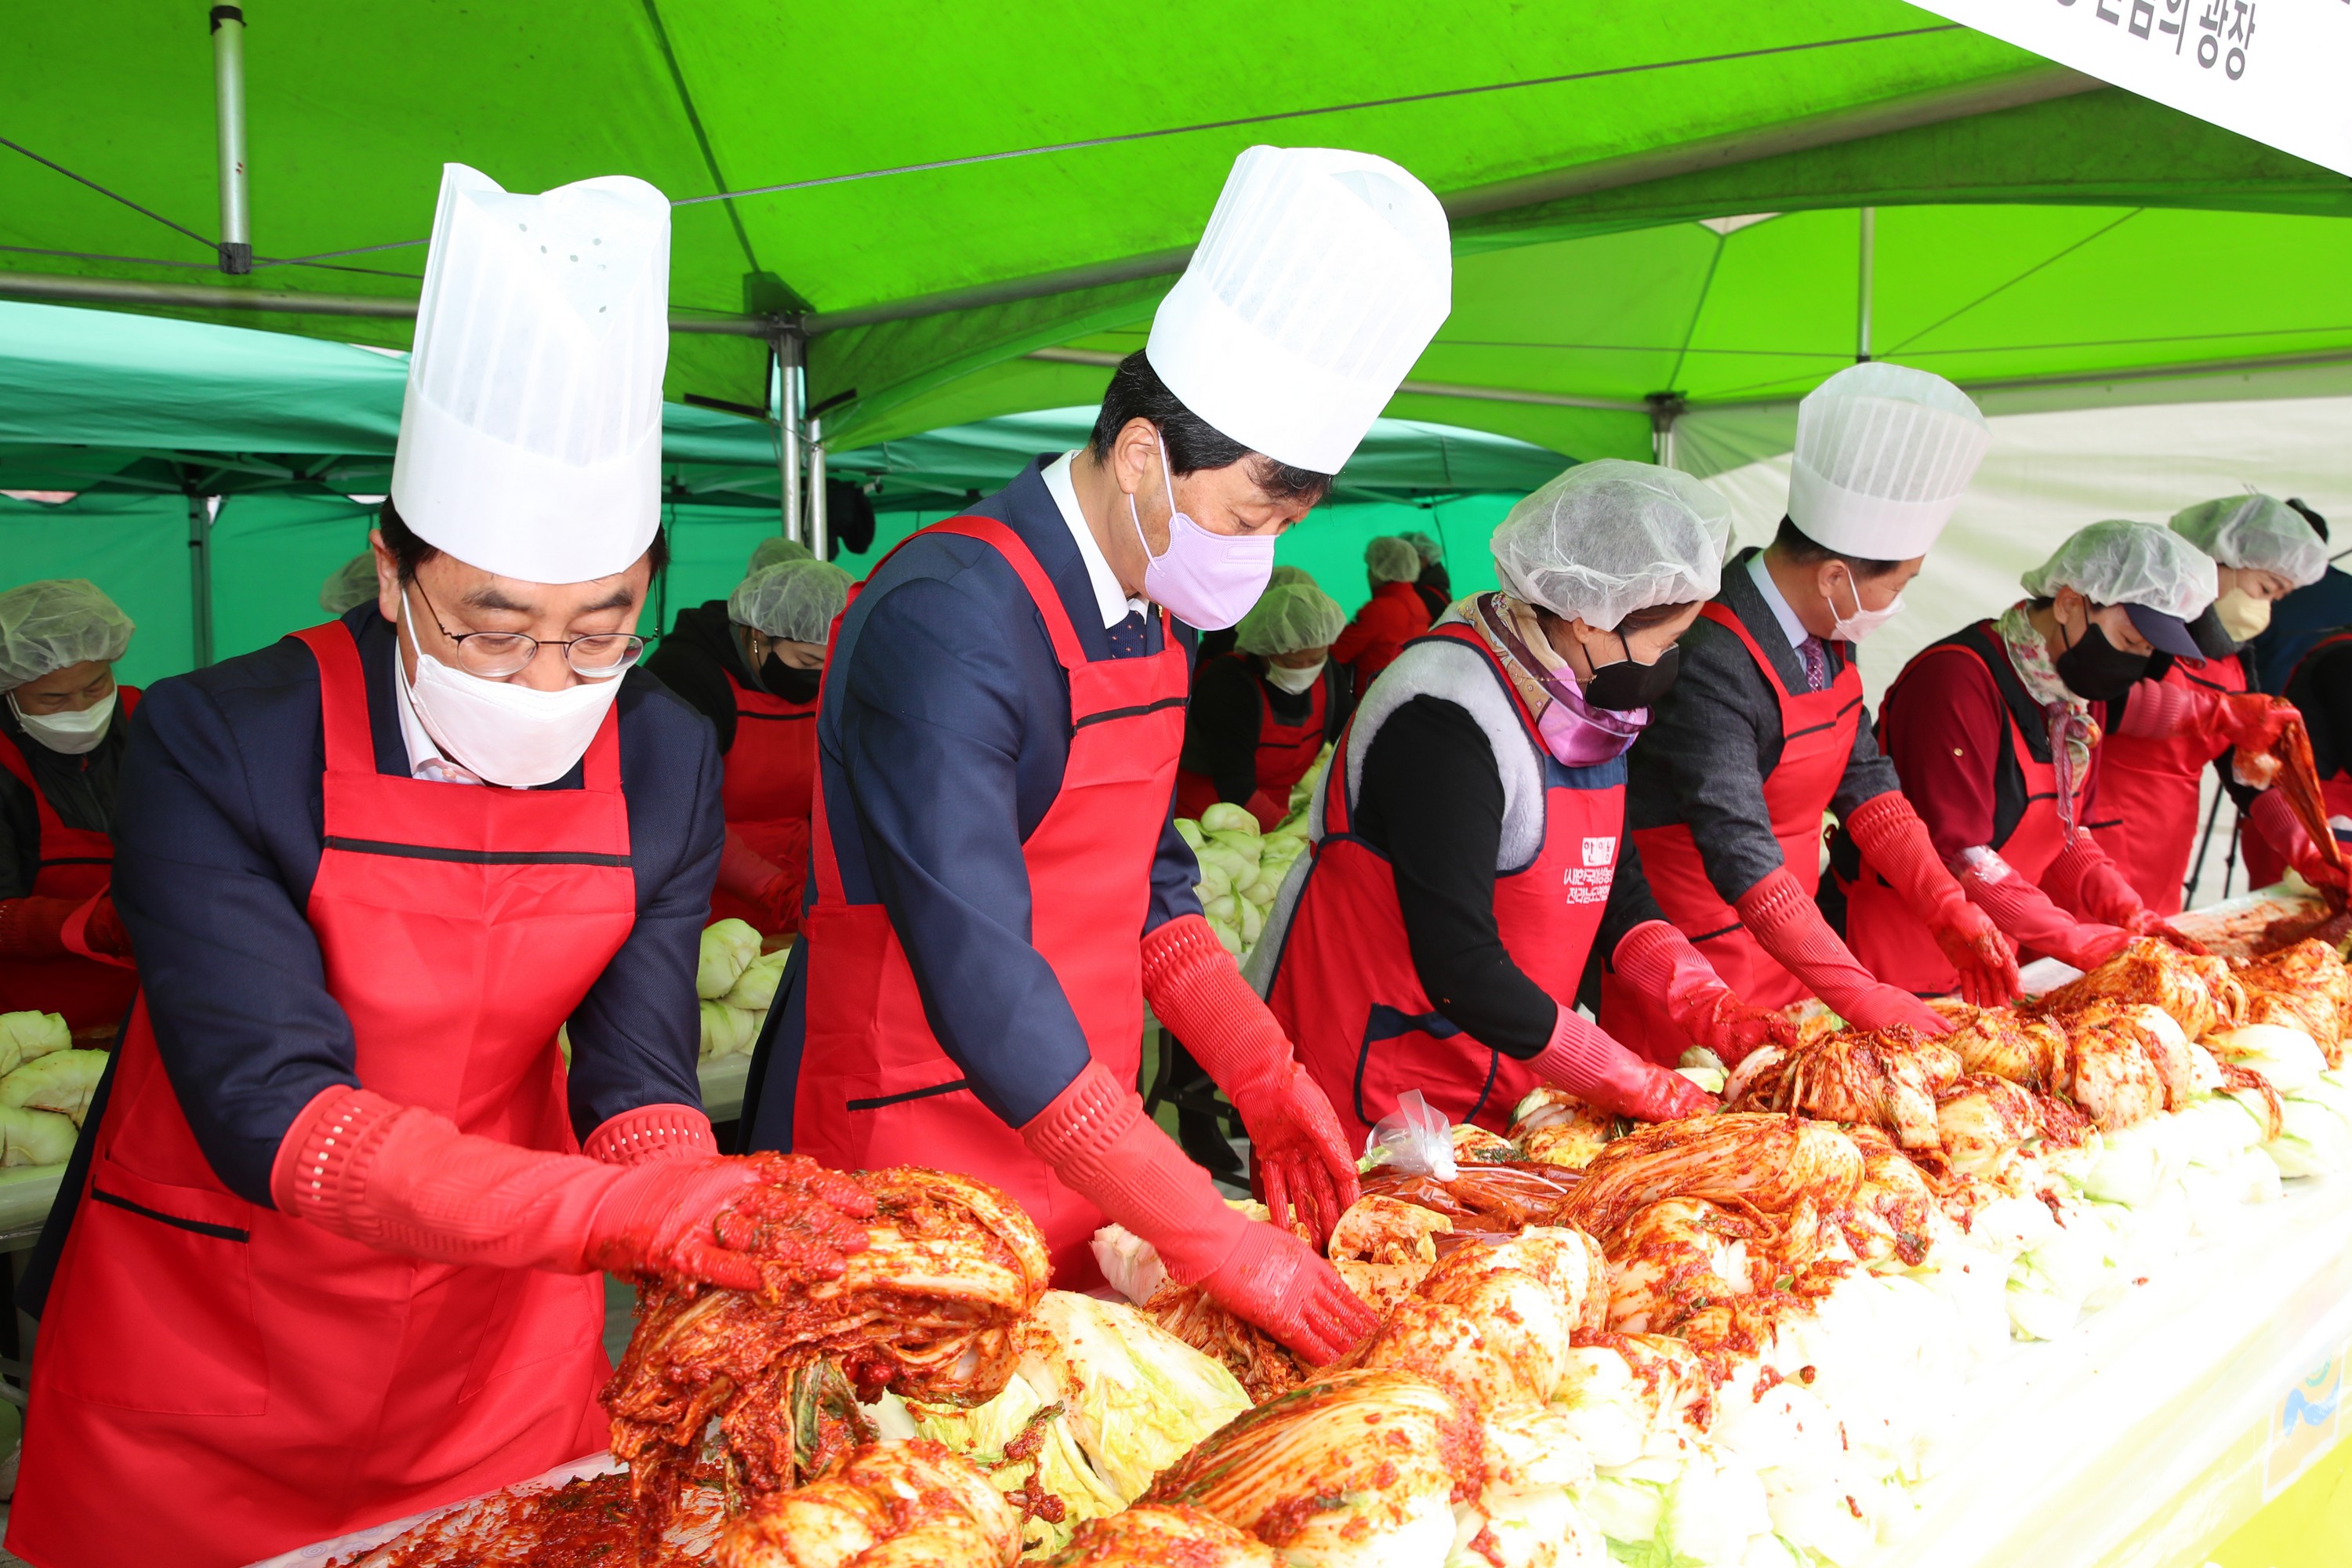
<point x="334" y="1258"/>
<point x="1766" y="732"/>
<point x="998" y="888"/>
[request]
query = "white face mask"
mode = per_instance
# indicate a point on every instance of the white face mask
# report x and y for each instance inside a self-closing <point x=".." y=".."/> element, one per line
<point x="1296" y="681"/>
<point x="71" y="734"/>
<point x="1862" y="623"/>
<point x="504" y="732"/>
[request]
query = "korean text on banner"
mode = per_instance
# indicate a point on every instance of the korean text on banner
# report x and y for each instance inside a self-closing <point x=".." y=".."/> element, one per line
<point x="2270" y="69"/>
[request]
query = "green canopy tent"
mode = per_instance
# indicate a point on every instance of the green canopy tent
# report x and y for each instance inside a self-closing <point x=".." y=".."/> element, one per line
<point x="261" y="438"/>
<point x="1017" y="186"/>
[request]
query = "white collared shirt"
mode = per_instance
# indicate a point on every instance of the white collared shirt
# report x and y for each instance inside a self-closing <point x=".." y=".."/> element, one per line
<point x="1790" y="626"/>
<point x="1109" y="597"/>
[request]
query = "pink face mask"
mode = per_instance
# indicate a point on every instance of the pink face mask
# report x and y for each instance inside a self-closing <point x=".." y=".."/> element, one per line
<point x="1208" y="581"/>
<point x="1577" y="735"/>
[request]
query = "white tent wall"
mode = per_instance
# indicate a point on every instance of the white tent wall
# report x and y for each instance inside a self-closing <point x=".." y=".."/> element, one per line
<point x="2046" y="475"/>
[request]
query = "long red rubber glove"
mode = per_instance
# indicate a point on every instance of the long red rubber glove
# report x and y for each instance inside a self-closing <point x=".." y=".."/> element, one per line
<point x="1193" y="988"/>
<point x="2084" y="878"/>
<point x="1099" y="1143"/>
<point x="2278" y="823"/>
<point x="751" y="876"/>
<point x="1659" y="964"/>
<point x="652" y="1133"/>
<point x="1582" y="1058"/>
<point x="403" y="1179"/>
<point x="34" y="927"/>
<point x="1895" y="842"/>
<point x="2253" y="720"/>
<point x="2028" y="916"/>
<point x="1786" y="922"/>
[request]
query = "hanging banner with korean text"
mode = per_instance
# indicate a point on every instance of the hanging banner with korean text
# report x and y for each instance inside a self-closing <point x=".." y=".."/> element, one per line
<point x="2275" y="70"/>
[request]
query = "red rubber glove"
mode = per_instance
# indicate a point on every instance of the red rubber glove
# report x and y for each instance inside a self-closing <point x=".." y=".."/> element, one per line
<point x="1662" y="968"/>
<point x="1582" y="1058"/>
<point x="2084" y="878"/>
<point x="1786" y="922"/>
<point x="1895" y="842"/>
<point x="1268" y="811"/>
<point x="1098" y="1140"/>
<point x="2251" y="720"/>
<point x="757" y="880"/>
<point x="104" y="933"/>
<point x="652" y="1133"/>
<point x="34" y="927"/>
<point x="1193" y="988"/>
<point x="2026" y="913"/>
<point x="403" y="1179"/>
<point x="2279" y="824"/>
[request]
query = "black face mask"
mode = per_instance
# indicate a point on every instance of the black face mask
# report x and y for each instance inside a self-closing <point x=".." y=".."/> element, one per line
<point x="1624" y="686"/>
<point x="2096" y="670"/>
<point x="793" y="685"/>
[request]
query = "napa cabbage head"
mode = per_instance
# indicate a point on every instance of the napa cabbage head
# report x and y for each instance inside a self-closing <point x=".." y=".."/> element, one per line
<point x="1137" y="1398"/>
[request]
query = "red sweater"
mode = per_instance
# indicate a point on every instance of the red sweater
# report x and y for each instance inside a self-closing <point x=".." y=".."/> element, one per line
<point x="1392" y="617"/>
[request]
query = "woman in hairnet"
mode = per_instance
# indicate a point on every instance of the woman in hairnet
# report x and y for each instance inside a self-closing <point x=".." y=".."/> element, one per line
<point x="1434" y="585"/>
<point x="1996" y="733"/>
<point x="1470" y="848"/>
<point x="2185" y="713"/>
<point x="770" y="551"/>
<point x="62" y="947"/>
<point x="1260" y="715"/>
<point x="752" y="664"/>
<point x="1392" y="617"/>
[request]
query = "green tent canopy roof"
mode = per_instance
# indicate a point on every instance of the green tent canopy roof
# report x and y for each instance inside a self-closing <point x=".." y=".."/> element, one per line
<point x="937" y="191"/>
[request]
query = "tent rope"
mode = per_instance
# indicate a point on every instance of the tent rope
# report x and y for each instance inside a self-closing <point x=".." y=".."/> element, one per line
<point x="213" y="245"/>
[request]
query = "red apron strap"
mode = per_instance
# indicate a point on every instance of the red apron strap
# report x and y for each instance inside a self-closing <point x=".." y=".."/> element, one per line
<point x="343" y="698"/>
<point x="1024" y="561"/>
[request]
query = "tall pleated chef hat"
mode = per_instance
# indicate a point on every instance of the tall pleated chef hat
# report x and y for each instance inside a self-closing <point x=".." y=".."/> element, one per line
<point x="1884" y="452"/>
<point x="1322" y="276"/>
<point x="531" y="434"/>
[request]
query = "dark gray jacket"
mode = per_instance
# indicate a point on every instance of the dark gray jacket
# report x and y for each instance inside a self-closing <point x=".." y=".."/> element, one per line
<point x="1711" y="742"/>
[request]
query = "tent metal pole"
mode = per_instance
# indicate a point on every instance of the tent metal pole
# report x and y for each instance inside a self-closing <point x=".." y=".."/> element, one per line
<point x="200" y="577"/>
<point x="791" y="351"/>
<point x="816" y="520"/>
<point x="229" y="111"/>
<point x="1865" y="271"/>
<point x="229" y="297"/>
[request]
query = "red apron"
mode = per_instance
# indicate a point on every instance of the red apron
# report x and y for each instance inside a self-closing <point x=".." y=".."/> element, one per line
<point x="2264" y="863"/>
<point x="1344" y="985"/>
<point x="1891" y="941"/>
<point x="215" y="1383"/>
<point x="874" y="1087"/>
<point x="1284" y="752"/>
<point x="76" y="863"/>
<point x="771" y="773"/>
<point x="2149" y="785"/>
<point x="1817" y="730"/>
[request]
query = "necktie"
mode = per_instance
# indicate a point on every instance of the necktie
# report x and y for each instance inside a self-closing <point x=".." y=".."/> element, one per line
<point x="1817" y="664"/>
<point x="1127" y="636"/>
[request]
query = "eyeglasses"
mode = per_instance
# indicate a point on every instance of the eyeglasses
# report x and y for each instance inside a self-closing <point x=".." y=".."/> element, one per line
<point x="497" y="654"/>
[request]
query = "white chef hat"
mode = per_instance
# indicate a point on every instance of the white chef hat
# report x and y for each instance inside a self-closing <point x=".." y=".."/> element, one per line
<point x="1883" y="454"/>
<point x="1610" y="537"/>
<point x="2256" y="532"/>
<point x="531" y="434"/>
<point x="2163" y="582"/>
<point x="1322" y="276"/>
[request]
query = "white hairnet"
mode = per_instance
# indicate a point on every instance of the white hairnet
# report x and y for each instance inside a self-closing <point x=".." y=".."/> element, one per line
<point x="1607" y="537"/>
<point x="44" y="627"/>
<point x="1282" y="575"/>
<point x="768" y="552"/>
<point x="1391" y="561"/>
<point x="2256" y="532"/>
<point x="2119" y="563"/>
<point x="794" y="600"/>
<point x="1430" y="551"/>
<point x="352" y="584"/>
<point x="1289" y="616"/>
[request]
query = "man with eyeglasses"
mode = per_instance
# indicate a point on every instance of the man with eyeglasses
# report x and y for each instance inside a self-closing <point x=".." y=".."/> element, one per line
<point x="338" y="1214"/>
